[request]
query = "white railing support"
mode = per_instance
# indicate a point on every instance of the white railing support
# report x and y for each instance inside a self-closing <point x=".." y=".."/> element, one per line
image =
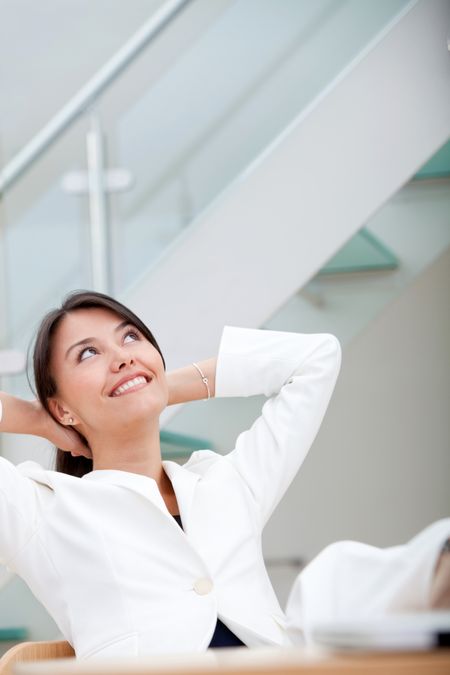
<point x="100" y="249"/>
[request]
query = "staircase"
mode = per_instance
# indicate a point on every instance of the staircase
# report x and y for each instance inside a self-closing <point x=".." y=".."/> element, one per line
<point x="334" y="166"/>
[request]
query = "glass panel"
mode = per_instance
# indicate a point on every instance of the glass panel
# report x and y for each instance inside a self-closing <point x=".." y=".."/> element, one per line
<point x="362" y="253"/>
<point x="45" y="243"/>
<point x="365" y="252"/>
<point x="438" y="166"/>
<point x="186" y="119"/>
<point x="205" y="117"/>
<point x="16" y="634"/>
<point x="414" y="224"/>
<point x="177" y="446"/>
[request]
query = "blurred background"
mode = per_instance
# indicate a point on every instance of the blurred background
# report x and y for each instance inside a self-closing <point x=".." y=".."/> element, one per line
<point x="280" y="164"/>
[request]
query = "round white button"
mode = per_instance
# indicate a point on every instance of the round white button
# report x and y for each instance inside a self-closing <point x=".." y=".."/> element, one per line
<point x="203" y="586"/>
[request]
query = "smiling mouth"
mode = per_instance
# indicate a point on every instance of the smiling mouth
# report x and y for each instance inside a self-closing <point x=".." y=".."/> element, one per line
<point x="131" y="385"/>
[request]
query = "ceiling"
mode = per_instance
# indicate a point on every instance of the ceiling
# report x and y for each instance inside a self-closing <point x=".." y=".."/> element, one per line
<point x="48" y="49"/>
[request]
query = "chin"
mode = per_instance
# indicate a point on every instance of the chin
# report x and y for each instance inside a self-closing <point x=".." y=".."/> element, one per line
<point x="142" y="412"/>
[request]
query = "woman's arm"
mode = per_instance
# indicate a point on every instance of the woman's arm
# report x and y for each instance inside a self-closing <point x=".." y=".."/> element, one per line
<point x="19" y="500"/>
<point x="17" y="493"/>
<point x="297" y="373"/>
<point x="185" y="384"/>
<point x="18" y="416"/>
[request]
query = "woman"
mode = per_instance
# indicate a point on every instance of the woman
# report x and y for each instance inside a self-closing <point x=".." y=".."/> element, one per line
<point x="133" y="555"/>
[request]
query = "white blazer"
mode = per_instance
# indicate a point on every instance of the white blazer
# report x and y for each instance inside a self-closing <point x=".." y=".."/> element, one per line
<point x="112" y="566"/>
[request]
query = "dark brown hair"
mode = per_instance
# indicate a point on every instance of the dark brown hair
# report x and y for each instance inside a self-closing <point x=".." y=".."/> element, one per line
<point x="45" y="384"/>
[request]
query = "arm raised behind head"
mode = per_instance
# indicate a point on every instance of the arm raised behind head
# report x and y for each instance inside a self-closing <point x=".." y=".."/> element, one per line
<point x="19" y="501"/>
<point x="18" y="416"/>
<point x="186" y="384"/>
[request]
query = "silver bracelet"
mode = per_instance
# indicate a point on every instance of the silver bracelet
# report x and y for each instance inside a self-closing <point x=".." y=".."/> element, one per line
<point x="204" y="379"/>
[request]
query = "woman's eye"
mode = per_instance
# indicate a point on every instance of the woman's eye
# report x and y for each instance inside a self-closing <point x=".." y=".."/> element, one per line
<point x="87" y="353"/>
<point x="130" y="336"/>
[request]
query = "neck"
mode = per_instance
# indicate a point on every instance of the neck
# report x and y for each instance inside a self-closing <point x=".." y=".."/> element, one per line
<point x="136" y="451"/>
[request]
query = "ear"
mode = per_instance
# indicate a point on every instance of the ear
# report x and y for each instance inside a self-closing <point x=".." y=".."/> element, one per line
<point x="60" y="413"/>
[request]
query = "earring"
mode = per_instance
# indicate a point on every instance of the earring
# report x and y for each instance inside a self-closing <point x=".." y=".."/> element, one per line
<point x="71" y="420"/>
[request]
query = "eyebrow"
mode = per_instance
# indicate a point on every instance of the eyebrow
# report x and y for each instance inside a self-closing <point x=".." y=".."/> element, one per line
<point x="88" y="340"/>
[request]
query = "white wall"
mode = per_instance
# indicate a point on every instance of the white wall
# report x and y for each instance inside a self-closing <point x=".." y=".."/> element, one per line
<point x="380" y="465"/>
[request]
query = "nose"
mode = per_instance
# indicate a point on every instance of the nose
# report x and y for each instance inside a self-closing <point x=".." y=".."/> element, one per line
<point x="122" y="358"/>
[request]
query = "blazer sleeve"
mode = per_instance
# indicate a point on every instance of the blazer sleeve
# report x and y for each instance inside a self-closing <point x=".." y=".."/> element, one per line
<point x="18" y="512"/>
<point x="297" y="372"/>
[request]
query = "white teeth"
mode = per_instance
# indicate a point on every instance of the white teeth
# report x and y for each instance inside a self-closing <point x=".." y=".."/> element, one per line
<point x="128" y="385"/>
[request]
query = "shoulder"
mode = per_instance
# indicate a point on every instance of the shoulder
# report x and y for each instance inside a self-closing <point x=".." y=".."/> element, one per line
<point x="202" y="460"/>
<point x="39" y="475"/>
<point x="33" y="470"/>
<point x="21" y="472"/>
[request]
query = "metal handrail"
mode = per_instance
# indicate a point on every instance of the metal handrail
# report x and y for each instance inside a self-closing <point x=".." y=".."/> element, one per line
<point x="89" y="92"/>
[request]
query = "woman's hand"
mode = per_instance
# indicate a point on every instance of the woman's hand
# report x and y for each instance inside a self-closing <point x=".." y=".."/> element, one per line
<point x="18" y="416"/>
<point x="65" y="438"/>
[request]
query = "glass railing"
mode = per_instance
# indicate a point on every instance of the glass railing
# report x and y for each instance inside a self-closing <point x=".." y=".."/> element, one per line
<point x="182" y="131"/>
<point x="362" y="253"/>
<point x="438" y="166"/>
<point x="45" y="243"/>
<point x="400" y="241"/>
<point x="215" y="110"/>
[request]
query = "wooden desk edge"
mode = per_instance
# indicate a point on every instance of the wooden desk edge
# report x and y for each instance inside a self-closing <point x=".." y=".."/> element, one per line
<point x="254" y="662"/>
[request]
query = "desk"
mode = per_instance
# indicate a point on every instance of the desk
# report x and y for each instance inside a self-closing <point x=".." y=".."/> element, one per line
<point x="264" y="661"/>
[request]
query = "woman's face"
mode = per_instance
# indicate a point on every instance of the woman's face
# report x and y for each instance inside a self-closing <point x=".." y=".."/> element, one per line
<point x="107" y="374"/>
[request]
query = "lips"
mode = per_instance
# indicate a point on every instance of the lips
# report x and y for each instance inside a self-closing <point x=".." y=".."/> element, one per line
<point x="130" y="383"/>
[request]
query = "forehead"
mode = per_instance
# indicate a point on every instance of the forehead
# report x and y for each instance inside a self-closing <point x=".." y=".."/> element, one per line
<point x="85" y="323"/>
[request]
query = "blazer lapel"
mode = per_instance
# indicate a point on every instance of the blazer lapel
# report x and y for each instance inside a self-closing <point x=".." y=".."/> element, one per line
<point x="143" y="485"/>
<point x="184" y="483"/>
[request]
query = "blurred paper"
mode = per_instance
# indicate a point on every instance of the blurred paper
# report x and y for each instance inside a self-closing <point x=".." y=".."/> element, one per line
<point x="421" y="630"/>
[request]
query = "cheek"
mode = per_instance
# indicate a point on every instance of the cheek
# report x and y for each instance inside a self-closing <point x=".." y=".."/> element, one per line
<point x="83" y="386"/>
